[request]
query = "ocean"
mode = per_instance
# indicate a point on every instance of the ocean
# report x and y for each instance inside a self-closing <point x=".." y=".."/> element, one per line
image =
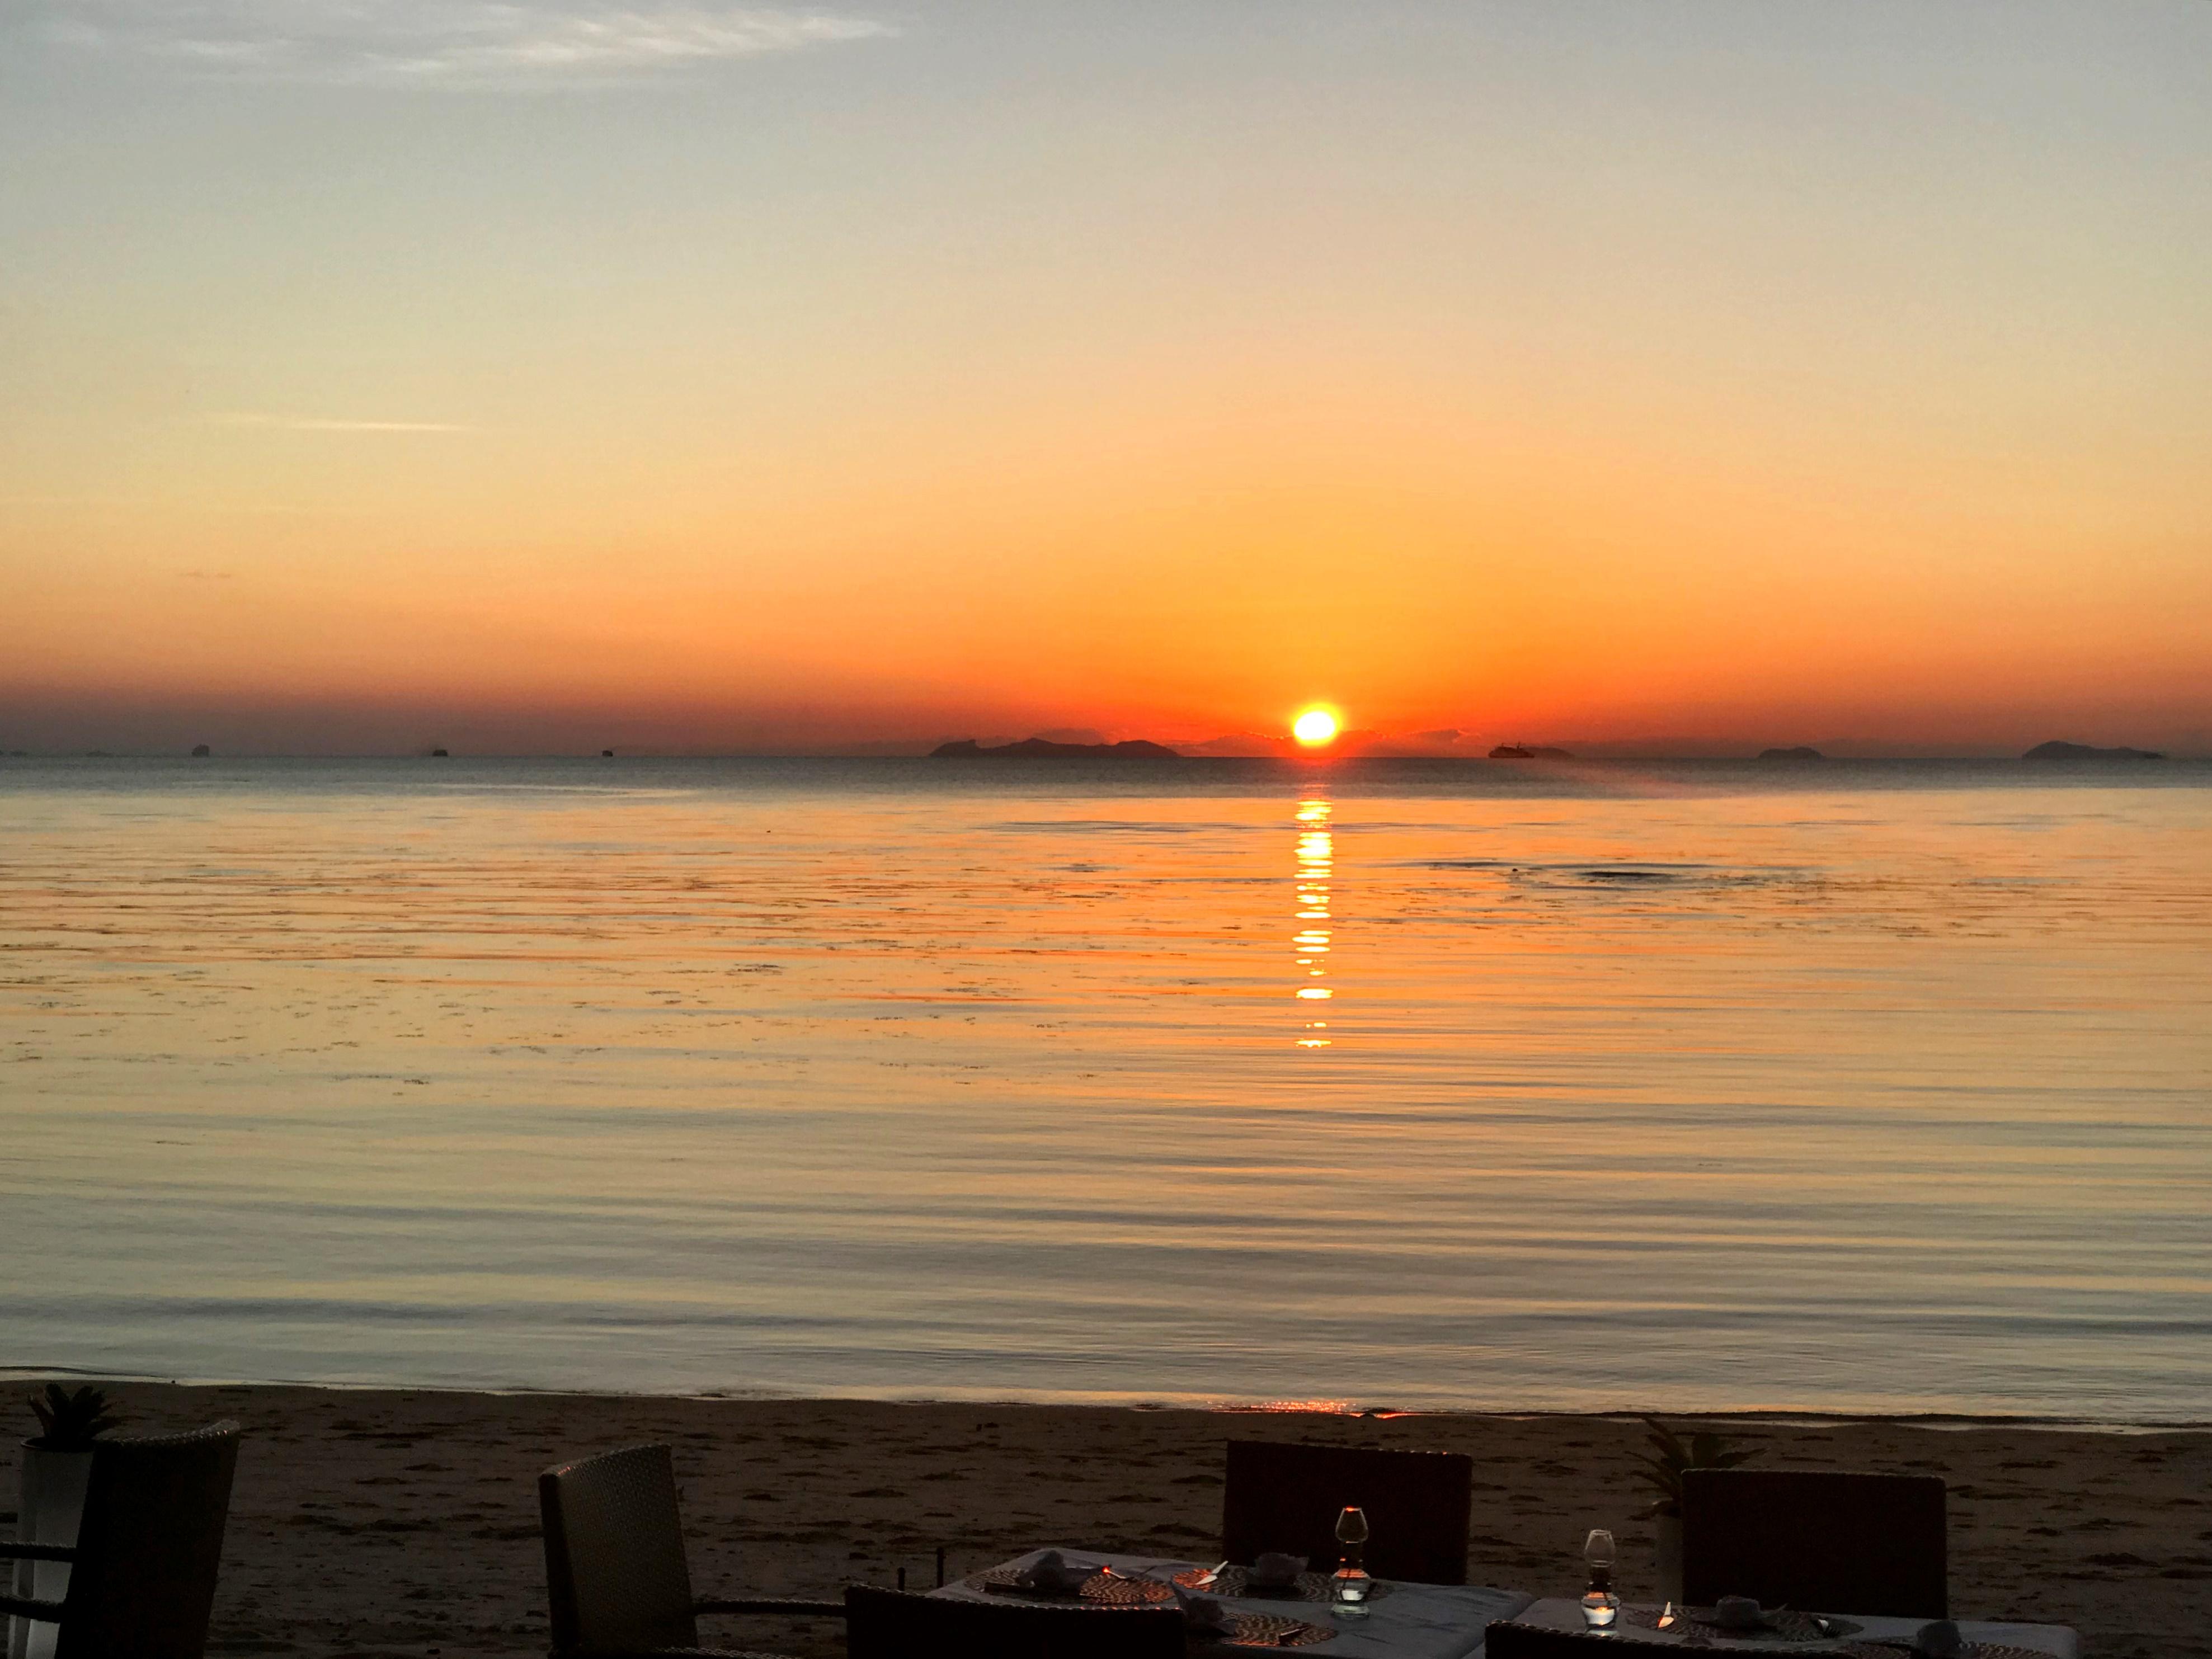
<point x="1831" y="1087"/>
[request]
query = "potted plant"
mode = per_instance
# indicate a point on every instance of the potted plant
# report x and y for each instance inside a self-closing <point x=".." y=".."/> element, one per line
<point x="55" y="1462"/>
<point x="1663" y="1465"/>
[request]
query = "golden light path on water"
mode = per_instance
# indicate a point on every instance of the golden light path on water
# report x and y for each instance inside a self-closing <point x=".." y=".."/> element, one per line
<point x="1316" y="864"/>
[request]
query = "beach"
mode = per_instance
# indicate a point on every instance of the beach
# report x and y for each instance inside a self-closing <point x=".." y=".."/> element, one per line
<point x="374" y="1522"/>
<point x="744" y="1099"/>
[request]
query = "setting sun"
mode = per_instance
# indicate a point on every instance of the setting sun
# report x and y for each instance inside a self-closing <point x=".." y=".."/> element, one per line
<point x="1314" y="728"/>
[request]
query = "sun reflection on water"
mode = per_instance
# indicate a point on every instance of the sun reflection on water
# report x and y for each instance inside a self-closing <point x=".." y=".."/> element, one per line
<point x="1316" y="863"/>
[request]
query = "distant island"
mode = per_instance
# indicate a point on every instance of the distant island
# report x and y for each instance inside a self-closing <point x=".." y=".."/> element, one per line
<point x="1527" y="751"/>
<point x="1045" y="749"/>
<point x="2056" y="751"/>
<point x="1802" y="751"/>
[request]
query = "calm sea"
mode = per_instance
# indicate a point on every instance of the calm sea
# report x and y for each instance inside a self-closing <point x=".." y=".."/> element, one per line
<point x="1843" y="1087"/>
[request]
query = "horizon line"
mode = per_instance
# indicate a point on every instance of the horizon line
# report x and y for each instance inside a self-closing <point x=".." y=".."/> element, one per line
<point x="1301" y="757"/>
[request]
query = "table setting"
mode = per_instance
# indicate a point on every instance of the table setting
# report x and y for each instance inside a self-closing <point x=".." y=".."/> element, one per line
<point x="1268" y="1605"/>
<point x="1226" y="1605"/>
<point x="1739" y="1621"/>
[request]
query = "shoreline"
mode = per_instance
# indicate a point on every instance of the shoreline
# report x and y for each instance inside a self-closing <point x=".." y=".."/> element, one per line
<point x="401" y="1523"/>
<point x="1775" y="1416"/>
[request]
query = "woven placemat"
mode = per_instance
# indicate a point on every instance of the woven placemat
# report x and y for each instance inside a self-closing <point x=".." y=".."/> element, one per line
<point x="1268" y="1629"/>
<point x="1235" y="1583"/>
<point x="1101" y="1590"/>
<point x="1780" y="1626"/>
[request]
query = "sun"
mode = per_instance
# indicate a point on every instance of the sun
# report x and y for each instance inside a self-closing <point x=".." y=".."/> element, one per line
<point x="1314" y="728"/>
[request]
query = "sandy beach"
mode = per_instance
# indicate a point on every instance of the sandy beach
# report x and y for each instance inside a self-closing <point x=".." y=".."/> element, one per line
<point x="391" y="1523"/>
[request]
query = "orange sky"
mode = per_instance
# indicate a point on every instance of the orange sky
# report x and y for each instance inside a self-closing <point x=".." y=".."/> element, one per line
<point x="1773" y="377"/>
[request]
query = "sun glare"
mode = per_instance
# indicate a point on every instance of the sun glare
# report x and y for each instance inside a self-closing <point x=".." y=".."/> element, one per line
<point x="1314" y="728"/>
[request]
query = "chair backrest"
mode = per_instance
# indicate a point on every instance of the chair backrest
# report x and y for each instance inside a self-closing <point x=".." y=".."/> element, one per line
<point x="1287" y="1498"/>
<point x="883" y="1623"/>
<point x="616" y="1577"/>
<point x="1506" y="1639"/>
<point x="148" y="1546"/>
<point x="1817" y="1540"/>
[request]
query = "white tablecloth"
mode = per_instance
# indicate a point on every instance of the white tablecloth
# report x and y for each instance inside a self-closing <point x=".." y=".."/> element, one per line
<point x="1413" y="1621"/>
<point x="1560" y="1614"/>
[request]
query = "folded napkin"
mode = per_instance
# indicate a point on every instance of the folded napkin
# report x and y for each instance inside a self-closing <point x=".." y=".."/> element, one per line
<point x="1051" y="1574"/>
<point x="1739" y="1612"/>
<point x="1939" y="1640"/>
<point x="1204" y="1613"/>
<point x="1273" y="1567"/>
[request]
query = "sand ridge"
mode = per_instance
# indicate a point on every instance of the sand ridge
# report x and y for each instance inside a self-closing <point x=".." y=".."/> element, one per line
<point x="376" y="1523"/>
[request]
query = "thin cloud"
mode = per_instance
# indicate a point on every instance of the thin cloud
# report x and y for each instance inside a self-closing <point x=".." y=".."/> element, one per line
<point x="443" y="43"/>
<point x="299" y="423"/>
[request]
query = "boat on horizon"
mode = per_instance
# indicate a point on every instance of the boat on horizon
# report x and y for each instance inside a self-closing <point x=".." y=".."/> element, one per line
<point x="1527" y="751"/>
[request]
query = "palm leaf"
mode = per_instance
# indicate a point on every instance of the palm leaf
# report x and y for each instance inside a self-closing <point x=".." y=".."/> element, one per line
<point x="71" y="1421"/>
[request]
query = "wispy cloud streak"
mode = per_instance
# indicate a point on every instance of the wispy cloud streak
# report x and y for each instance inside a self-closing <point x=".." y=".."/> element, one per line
<point x="312" y="423"/>
<point x="442" y="43"/>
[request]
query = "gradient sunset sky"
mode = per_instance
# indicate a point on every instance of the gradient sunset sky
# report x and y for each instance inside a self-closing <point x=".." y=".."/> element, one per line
<point x="541" y="376"/>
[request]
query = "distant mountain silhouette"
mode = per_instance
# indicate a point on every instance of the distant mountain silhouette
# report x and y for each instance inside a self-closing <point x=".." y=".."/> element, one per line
<point x="1527" y="751"/>
<point x="1241" y="745"/>
<point x="2055" y="750"/>
<point x="1802" y="751"/>
<point x="1045" y="749"/>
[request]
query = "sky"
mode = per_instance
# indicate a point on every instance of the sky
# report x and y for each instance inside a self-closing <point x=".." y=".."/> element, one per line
<point x="539" y="377"/>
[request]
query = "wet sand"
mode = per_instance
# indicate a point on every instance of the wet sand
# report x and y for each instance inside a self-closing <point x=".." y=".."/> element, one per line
<point x="376" y="1522"/>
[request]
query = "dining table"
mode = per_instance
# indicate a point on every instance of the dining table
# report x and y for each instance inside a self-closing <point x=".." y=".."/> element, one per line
<point x="1405" y="1621"/>
<point x="1402" y="1620"/>
<point x="1562" y="1613"/>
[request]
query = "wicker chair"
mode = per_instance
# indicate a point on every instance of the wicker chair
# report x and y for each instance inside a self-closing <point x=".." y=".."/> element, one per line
<point x="1508" y="1640"/>
<point x="616" y="1575"/>
<point x="882" y="1624"/>
<point x="1287" y="1498"/>
<point x="142" y="1570"/>
<point x="1816" y="1539"/>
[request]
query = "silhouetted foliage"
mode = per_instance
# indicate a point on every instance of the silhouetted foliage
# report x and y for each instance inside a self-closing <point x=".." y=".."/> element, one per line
<point x="1663" y="1472"/>
<point x="71" y="1422"/>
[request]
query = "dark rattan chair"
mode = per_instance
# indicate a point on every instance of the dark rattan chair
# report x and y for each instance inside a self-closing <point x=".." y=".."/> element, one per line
<point x="1817" y="1540"/>
<point x="1287" y="1498"/>
<point x="142" y="1570"/>
<point x="882" y="1624"/>
<point x="616" y="1575"/>
<point x="1507" y="1640"/>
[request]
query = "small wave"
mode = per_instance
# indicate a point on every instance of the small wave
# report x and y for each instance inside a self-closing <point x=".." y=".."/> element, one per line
<point x="1112" y="827"/>
<point x="1637" y="874"/>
